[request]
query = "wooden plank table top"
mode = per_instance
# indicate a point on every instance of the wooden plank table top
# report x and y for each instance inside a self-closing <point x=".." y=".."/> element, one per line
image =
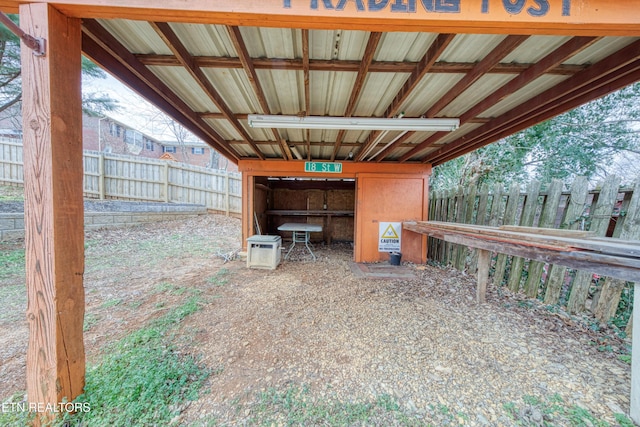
<point x="606" y="256"/>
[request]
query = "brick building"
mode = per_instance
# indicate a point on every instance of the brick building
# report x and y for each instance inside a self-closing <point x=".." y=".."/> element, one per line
<point x="108" y="135"/>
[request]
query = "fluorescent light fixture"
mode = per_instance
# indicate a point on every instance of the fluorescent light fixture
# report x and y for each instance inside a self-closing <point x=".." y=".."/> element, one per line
<point x="355" y="123"/>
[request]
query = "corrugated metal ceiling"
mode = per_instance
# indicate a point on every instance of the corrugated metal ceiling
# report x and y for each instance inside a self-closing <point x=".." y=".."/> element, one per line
<point x="216" y="75"/>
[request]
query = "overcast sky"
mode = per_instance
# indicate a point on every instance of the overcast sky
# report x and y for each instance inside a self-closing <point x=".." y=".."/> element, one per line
<point x="133" y="110"/>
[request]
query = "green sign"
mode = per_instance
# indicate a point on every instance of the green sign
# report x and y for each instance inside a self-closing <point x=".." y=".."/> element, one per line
<point x="323" y="167"/>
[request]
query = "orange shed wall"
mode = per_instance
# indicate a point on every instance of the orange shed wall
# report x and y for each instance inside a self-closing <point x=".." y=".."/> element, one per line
<point x="389" y="198"/>
<point x="384" y="193"/>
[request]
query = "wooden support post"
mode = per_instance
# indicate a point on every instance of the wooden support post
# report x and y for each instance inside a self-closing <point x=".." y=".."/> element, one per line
<point x="484" y="257"/>
<point x="635" y="361"/>
<point x="54" y="226"/>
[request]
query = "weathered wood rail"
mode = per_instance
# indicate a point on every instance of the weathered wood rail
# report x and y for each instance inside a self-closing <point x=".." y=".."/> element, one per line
<point x="575" y="249"/>
<point x="606" y="211"/>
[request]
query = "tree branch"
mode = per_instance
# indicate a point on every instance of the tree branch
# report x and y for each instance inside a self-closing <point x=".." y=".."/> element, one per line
<point x="9" y="104"/>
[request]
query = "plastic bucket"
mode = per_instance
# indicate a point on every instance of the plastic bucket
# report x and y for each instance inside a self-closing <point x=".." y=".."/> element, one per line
<point x="394" y="258"/>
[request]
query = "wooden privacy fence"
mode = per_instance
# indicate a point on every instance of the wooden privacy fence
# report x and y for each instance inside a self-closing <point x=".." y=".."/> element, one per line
<point x="606" y="211"/>
<point x="115" y="176"/>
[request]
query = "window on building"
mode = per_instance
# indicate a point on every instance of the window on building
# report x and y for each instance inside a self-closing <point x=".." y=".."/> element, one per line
<point x="197" y="150"/>
<point x="149" y="145"/>
<point x="115" y="130"/>
<point x="133" y="137"/>
<point x="169" y="149"/>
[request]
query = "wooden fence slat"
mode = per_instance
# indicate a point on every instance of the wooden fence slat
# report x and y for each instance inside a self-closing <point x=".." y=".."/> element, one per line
<point x="547" y="219"/>
<point x="510" y="214"/>
<point x="571" y="220"/>
<point x="496" y="206"/>
<point x="609" y="299"/>
<point x="434" y="212"/>
<point x="480" y="219"/>
<point x="458" y="250"/>
<point x="451" y="210"/>
<point x="117" y="176"/>
<point x="468" y="203"/>
<point x="600" y="216"/>
<point x="526" y="220"/>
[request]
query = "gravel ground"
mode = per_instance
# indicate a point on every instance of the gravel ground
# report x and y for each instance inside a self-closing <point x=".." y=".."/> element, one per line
<point x="445" y="359"/>
<point x="424" y="342"/>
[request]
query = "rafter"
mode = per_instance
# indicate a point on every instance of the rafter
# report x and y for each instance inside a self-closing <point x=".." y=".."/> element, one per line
<point x="420" y="70"/>
<point x="249" y="69"/>
<point x="307" y="91"/>
<point x="508" y="45"/>
<point x="171" y="39"/>
<point x="505" y="47"/>
<point x="390" y="147"/>
<point x="370" y="50"/>
<point x="568" y="49"/>
<point x="608" y="84"/>
<point x="105" y="50"/>
<point x="609" y="68"/>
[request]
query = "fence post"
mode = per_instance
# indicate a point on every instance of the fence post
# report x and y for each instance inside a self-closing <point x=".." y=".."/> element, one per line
<point x="528" y="216"/>
<point x="101" y="173"/>
<point x="451" y="210"/>
<point x="165" y="179"/>
<point x="227" y="195"/>
<point x="601" y="216"/>
<point x="575" y="209"/>
<point x="481" y="218"/>
<point x="459" y="250"/>
<point x="634" y="411"/>
<point x="469" y="205"/>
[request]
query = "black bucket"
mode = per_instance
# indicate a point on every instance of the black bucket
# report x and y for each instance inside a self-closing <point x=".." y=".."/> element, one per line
<point x="394" y="258"/>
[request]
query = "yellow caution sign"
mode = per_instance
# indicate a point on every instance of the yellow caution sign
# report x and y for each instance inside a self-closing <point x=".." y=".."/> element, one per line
<point x="390" y="233"/>
<point x="389" y="237"/>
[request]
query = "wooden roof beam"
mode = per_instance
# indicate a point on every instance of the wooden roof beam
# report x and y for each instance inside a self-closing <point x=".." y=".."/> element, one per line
<point x="505" y="47"/>
<point x="105" y="50"/>
<point x="367" y="58"/>
<point x="306" y="71"/>
<point x="420" y="70"/>
<point x="247" y="65"/>
<point x="171" y="39"/>
<point x="508" y="45"/>
<point x="555" y="58"/>
<point x="609" y="66"/>
<point x="611" y="83"/>
<point x="344" y="65"/>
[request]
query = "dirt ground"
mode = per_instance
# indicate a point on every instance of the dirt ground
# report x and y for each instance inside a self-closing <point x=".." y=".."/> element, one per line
<point x="423" y="340"/>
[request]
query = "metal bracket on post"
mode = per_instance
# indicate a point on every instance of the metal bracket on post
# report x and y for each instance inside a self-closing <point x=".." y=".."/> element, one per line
<point x="37" y="44"/>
